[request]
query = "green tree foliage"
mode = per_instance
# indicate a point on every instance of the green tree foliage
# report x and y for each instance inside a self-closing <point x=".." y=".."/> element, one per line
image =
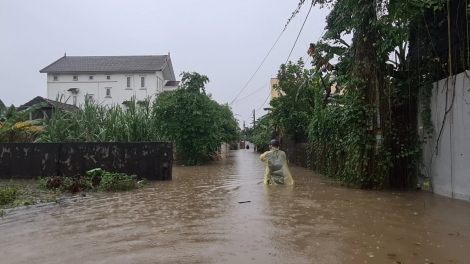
<point x="3" y="109"/>
<point x="263" y="131"/>
<point x="230" y="131"/>
<point x="187" y="116"/>
<point x="7" y="112"/>
<point x="293" y="109"/>
<point x="367" y="136"/>
<point x="195" y="122"/>
<point x="15" y="125"/>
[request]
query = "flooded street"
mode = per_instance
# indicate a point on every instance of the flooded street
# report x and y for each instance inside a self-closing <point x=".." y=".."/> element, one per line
<point x="198" y="218"/>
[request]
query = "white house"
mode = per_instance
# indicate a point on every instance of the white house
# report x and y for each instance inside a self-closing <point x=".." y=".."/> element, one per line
<point x="109" y="79"/>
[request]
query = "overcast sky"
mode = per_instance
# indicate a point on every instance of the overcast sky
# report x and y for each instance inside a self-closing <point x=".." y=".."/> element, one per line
<point x="223" y="39"/>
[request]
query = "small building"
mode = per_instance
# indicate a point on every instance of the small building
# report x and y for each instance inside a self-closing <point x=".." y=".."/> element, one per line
<point x="109" y="79"/>
<point x="47" y="110"/>
<point x="273" y="91"/>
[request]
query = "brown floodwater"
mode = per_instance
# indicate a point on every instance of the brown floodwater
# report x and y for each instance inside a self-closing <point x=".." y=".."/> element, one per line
<point x="198" y="218"/>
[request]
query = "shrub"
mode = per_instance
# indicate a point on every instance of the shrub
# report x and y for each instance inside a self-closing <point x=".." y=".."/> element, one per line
<point x="8" y="195"/>
<point x="94" y="179"/>
<point x="118" y="182"/>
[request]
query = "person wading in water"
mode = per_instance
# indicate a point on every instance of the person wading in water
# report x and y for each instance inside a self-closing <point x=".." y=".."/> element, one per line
<point x="277" y="170"/>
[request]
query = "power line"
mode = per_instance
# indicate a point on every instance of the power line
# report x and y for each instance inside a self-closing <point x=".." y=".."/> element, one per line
<point x="259" y="65"/>
<point x="260" y="107"/>
<point x="299" y="32"/>
<point x="263" y="103"/>
<point x="253" y="92"/>
<point x="268" y="55"/>
<point x="291" y="51"/>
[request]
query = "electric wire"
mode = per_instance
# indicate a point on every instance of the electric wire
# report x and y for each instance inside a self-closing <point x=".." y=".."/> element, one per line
<point x="270" y="52"/>
<point x="258" y="66"/>
<point x="310" y="9"/>
<point x="264" y="102"/>
<point x="259" y="89"/>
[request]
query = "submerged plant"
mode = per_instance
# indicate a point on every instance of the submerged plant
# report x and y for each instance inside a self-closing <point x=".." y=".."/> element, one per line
<point x="95" y="179"/>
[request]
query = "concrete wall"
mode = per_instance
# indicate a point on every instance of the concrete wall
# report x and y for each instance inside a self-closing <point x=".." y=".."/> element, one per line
<point x="224" y="150"/>
<point x="154" y="83"/>
<point x="446" y="158"/>
<point x="28" y="161"/>
<point x="272" y="91"/>
<point x="151" y="160"/>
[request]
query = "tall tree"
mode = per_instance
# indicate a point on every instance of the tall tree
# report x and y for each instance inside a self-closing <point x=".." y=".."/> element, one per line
<point x="293" y="108"/>
<point x="196" y="123"/>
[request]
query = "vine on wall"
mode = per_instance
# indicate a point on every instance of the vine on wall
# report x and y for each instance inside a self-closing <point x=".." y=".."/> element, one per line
<point x="364" y="132"/>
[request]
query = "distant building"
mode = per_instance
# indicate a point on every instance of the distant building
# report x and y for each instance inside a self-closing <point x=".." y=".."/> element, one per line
<point x="47" y="110"/>
<point x="273" y="91"/>
<point x="109" y="79"/>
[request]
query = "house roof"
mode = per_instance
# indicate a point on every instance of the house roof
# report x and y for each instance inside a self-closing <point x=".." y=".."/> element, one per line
<point x="172" y="83"/>
<point x="108" y="64"/>
<point x="50" y="103"/>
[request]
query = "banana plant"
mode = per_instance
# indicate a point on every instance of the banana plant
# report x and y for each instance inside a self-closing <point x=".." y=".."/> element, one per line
<point x="16" y="123"/>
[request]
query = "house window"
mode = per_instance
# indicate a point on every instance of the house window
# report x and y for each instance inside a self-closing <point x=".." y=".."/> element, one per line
<point x="159" y="84"/>
<point x="108" y="77"/>
<point x="90" y="77"/>
<point x="128" y="82"/>
<point x="75" y="78"/>
<point x="56" y="78"/>
<point x="90" y="97"/>
<point x="142" y="81"/>
<point x="108" y="92"/>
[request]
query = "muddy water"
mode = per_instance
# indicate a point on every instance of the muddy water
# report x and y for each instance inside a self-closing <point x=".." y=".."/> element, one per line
<point x="197" y="218"/>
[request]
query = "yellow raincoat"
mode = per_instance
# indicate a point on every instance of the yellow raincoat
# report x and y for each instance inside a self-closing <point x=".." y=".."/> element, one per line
<point x="277" y="169"/>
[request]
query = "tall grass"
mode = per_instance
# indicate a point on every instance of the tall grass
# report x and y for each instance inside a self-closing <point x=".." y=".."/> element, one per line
<point x="101" y="123"/>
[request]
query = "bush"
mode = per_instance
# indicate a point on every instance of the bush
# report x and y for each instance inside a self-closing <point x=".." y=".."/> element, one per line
<point x="193" y="120"/>
<point x="8" y="195"/>
<point x="118" y="182"/>
<point x="94" y="179"/>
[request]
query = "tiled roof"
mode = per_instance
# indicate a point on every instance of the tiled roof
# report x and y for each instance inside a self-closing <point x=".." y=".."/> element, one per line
<point x="49" y="102"/>
<point x="107" y="64"/>
<point x="172" y="83"/>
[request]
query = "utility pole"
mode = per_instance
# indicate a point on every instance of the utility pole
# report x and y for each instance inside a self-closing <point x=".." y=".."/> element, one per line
<point x="254" y="125"/>
<point x="244" y="135"/>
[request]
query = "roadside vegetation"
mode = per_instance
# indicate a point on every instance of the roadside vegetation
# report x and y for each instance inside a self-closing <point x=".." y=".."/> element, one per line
<point x="15" y="125"/>
<point x="193" y="121"/>
<point x="53" y="188"/>
<point x="15" y="193"/>
<point x="357" y="109"/>
<point x="96" y="179"/>
<point x="188" y="117"/>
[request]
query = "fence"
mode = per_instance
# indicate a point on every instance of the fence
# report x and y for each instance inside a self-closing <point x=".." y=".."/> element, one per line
<point x="299" y="154"/>
<point x="446" y="154"/>
<point x="151" y="160"/>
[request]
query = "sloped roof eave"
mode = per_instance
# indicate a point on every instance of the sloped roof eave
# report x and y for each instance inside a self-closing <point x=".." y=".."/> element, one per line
<point x="107" y="64"/>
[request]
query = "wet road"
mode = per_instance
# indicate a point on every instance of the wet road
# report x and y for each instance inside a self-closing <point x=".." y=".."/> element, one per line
<point x="197" y="218"/>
